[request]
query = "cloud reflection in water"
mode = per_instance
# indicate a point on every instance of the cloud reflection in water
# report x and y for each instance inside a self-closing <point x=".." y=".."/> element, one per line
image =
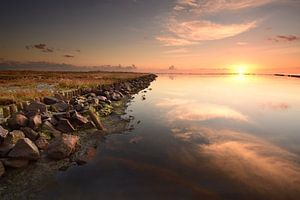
<point x="258" y="164"/>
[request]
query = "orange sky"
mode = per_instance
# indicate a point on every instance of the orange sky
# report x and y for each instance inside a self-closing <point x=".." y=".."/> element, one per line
<point x="192" y="35"/>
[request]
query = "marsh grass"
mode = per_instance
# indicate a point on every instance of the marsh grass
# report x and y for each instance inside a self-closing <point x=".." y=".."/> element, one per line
<point x="24" y="85"/>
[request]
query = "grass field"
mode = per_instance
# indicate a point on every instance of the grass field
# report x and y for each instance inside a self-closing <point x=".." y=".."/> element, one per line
<point x="25" y="85"/>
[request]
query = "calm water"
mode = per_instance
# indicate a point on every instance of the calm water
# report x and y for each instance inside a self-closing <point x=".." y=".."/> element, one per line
<point x="199" y="137"/>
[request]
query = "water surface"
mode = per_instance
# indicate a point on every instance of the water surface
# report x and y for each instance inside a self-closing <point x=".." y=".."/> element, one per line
<point x="199" y="137"/>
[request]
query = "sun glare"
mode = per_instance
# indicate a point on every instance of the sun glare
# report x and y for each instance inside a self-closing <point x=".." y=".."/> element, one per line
<point x="241" y="70"/>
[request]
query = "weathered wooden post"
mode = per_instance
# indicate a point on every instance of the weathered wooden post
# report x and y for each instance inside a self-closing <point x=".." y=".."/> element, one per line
<point x="25" y="104"/>
<point x="95" y="119"/>
<point x="20" y="106"/>
<point x="13" y="109"/>
<point x="6" y="112"/>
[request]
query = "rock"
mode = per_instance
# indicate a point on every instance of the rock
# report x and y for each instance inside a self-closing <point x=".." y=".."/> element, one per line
<point x="42" y="143"/>
<point x="50" y="100"/>
<point x="59" y="96"/>
<point x="3" y="134"/>
<point x="30" y="133"/>
<point x="36" y="107"/>
<point x="60" y="106"/>
<point x="49" y="128"/>
<point x="115" y="96"/>
<point x="87" y="156"/>
<point x="102" y="98"/>
<point x="62" y="147"/>
<point x="65" y="126"/>
<point x="35" y="122"/>
<point x="15" y="163"/>
<point x="5" y="147"/>
<point x="78" y="120"/>
<point x="2" y="169"/>
<point x="25" y="149"/>
<point x="17" y="121"/>
<point x="15" y="135"/>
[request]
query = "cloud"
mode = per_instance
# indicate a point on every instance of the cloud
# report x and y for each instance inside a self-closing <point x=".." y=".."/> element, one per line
<point x="187" y="25"/>
<point x="259" y="165"/>
<point x="42" y="47"/>
<point x="68" y="56"/>
<point x="202" y="30"/>
<point x="176" y="51"/>
<point x="199" y="111"/>
<point x="284" y="38"/>
<point x="242" y="43"/>
<point x="212" y="6"/>
<point x="173" y="41"/>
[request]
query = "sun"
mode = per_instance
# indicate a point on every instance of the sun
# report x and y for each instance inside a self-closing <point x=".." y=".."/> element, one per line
<point x="241" y="70"/>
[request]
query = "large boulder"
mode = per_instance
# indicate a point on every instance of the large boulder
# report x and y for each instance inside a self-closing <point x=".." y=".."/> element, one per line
<point x="25" y="149"/>
<point x="65" y="126"/>
<point x="49" y="128"/>
<point x="35" y="122"/>
<point x="36" y="106"/>
<point x="3" y="134"/>
<point x="17" y="121"/>
<point x="30" y="133"/>
<point x="2" y="169"/>
<point x="62" y="147"/>
<point x="15" y="163"/>
<point x="50" y="100"/>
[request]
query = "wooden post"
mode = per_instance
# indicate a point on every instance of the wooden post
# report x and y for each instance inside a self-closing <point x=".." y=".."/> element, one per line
<point x="25" y="104"/>
<point x="13" y="109"/>
<point x="20" y="106"/>
<point x="6" y="112"/>
<point x="95" y="119"/>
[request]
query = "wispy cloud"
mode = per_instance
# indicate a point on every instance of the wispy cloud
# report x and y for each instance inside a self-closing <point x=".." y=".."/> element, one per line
<point x="176" y="51"/>
<point x="173" y="41"/>
<point x="202" y="30"/>
<point x="284" y="38"/>
<point x="68" y="56"/>
<point x="42" y="47"/>
<point x="210" y="6"/>
<point x="187" y="24"/>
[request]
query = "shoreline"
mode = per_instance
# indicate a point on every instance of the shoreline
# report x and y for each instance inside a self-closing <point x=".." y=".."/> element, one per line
<point x="73" y="141"/>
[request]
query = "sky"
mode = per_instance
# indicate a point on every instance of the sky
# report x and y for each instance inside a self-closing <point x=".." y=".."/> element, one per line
<point x="182" y="35"/>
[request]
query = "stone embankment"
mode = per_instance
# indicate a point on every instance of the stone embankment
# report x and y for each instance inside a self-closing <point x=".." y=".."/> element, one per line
<point x="49" y="127"/>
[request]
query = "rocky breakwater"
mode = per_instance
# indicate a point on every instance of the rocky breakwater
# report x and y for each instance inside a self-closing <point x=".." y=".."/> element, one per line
<point x="48" y="129"/>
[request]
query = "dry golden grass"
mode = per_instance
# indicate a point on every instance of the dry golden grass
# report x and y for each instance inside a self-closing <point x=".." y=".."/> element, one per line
<point x="23" y="85"/>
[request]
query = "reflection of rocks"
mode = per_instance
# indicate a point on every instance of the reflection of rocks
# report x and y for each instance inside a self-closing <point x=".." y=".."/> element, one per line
<point x="86" y="156"/>
<point x="15" y="163"/>
<point x="136" y="139"/>
<point x="2" y="169"/>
